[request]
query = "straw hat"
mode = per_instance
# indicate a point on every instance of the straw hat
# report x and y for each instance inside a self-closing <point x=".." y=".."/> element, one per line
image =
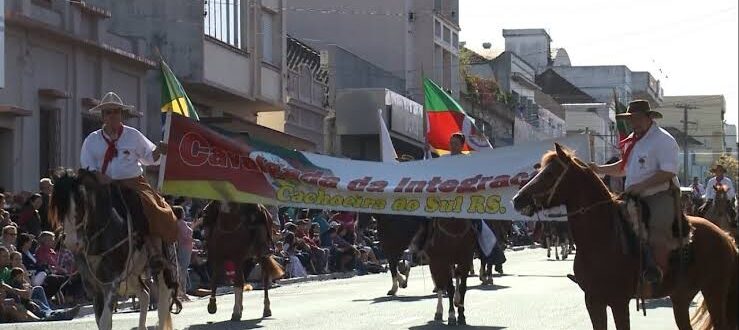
<point x="111" y="100"/>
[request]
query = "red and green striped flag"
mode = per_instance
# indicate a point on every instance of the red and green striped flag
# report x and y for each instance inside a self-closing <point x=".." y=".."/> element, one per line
<point x="445" y="117"/>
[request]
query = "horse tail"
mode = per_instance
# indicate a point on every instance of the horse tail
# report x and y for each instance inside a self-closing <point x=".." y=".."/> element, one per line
<point x="271" y="268"/>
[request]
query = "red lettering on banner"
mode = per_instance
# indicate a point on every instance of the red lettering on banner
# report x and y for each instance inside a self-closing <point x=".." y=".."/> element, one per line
<point x="329" y="182"/>
<point x="217" y="158"/>
<point x="448" y="186"/>
<point x="291" y="174"/>
<point x="500" y="181"/>
<point x="483" y="182"/>
<point x="469" y="185"/>
<point x="377" y="186"/>
<point x="415" y="186"/>
<point x="435" y="181"/>
<point x="401" y="185"/>
<point x="519" y="178"/>
<point x="311" y="177"/>
<point x="194" y="149"/>
<point x="359" y="184"/>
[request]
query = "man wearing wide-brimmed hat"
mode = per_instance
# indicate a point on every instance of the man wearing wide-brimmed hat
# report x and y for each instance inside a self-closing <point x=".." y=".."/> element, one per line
<point x="719" y="179"/>
<point x="117" y="153"/>
<point x="650" y="161"/>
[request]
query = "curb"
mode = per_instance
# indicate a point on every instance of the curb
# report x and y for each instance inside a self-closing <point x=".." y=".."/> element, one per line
<point x="125" y="306"/>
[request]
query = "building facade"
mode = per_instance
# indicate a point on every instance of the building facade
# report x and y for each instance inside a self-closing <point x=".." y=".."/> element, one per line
<point x="61" y="58"/>
<point x="410" y="39"/>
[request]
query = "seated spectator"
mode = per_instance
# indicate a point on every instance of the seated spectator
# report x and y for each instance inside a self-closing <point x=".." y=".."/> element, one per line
<point x="43" y="263"/>
<point x="346" y="219"/>
<point x="318" y="255"/>
<point x="45" y="254"/>
<point x="290" y="252"/>
<point x="29" y="219"/>
<point x="10" y="312"/>
<point x="343" y="253"/>
<point x="10" y="235"/>
<point x="4" y="214"/>
<point x="326" y="240"/>
<point x="73" y="289"/>
<point x="368" y="263"/>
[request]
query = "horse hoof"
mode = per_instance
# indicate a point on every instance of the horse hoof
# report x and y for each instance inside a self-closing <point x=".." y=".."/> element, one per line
<point x="557" y="257"/>
<point x="391" y="293"/>
<point x="438" y="317"/>
<point x="452" y="321"/>
<point x="403" y="285"/>
<point x="267" y="313"/>
<point x="462" y="320"/>
<point x="212" y="308"/>
<point x="236" y="317"/>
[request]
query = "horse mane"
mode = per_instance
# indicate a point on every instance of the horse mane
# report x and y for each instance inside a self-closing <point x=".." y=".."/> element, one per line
<point x="551" y="155"/>
<point x="65" y="184"/>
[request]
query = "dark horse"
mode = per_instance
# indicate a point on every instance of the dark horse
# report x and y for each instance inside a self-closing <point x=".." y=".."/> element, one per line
<point x="241" y="233"/>
<point x="557" y="234"/>
<point x="105" y="228"/>
<point x="607" y="274"/>
<point x="395" y="233"/>
<point x="451" y="245"/>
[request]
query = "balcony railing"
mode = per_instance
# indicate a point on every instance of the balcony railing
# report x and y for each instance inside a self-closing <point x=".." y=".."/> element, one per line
<point x="223" y="21"/>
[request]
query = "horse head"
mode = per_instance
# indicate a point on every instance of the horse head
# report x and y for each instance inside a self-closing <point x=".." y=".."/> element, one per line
<point x="72" y="202"/>
<point x="549" y="187"/>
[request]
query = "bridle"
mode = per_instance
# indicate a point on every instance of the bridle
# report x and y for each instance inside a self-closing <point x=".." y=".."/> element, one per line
<point x="553" y="189"/>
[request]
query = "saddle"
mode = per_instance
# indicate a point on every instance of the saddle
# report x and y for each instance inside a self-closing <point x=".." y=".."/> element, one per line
<point x="126" y="201"/>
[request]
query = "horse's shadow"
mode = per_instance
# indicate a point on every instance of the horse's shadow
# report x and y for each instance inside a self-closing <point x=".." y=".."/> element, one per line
<point x="442" y="325"/>
<point x="243" y="324"/>
<point x="485" y="287"/>
<point x="384" y="299"/>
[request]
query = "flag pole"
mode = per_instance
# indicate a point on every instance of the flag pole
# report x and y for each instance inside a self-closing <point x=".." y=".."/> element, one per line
<point x="163" y="158"/>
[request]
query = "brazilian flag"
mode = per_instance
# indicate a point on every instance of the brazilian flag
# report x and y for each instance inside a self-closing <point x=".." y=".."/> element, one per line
<point x="174" y="97"/>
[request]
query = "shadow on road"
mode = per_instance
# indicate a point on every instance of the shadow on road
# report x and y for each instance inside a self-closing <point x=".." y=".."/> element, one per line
<point x="442" y="325"/>
<point x="538" y="275"/>
<point x="396" y="298"/>
<point x="225" y="325"/>
<point x="483" y="287"/>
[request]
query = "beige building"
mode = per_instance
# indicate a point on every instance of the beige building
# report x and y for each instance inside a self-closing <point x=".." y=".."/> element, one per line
<point x="705" y="126"/>
<point x="59" y="59"/>
<point x="410" y="39"/>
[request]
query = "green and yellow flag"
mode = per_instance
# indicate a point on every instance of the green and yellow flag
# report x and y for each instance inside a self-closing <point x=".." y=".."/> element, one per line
<point x="174" y="97"/>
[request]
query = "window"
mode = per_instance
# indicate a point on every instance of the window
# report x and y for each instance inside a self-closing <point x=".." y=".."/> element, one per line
<point x="437" y="28"/>
<point x="224" y="20"/>
<point x="267" y="35"/>
<point x="455" y="41"/>
<point x="447" y="32"/>
<point x="48" y="141"/>
<point x="437" y="5"/>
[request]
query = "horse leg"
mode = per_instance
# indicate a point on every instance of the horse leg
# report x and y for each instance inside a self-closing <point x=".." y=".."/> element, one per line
<point x="163" y="302"/>
<point x="716" y="301"/>
<point x="439" y="306"/>
<point x="597" y="311"/>
<point x="393" y="263"/>
<point x="143" y="295"/>
<point x="556" y="247"/>
<point x="462" y="289"/>
<point x="403" y="280"/>
<point x="452" y="320"/>
<point x="266" y="283"/>
<point x="681" y="310"/>
<point x="106" y="318"/>
<point x="549" y="246"/>
<point x="215" y="278"/>
<point x="98" y="303"/>
<point x="621" y="315"/>
<point x="238" y="287"/>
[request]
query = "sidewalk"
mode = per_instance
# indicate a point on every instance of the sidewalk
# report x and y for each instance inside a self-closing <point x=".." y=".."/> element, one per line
<point x="126" y="307"/>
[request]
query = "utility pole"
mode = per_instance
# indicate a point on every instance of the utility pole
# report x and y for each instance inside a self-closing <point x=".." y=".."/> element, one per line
<point x="685" y="108"/>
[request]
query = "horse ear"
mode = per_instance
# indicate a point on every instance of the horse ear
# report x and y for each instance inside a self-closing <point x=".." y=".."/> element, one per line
<point x="560" y="152"/>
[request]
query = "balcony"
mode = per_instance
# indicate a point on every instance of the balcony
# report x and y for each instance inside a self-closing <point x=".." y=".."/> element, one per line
<point x="303" y="87"/>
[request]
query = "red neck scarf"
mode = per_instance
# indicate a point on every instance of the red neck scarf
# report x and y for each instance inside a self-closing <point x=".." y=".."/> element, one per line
<point x="626" y="145"/>
<point x="112" y="151"/>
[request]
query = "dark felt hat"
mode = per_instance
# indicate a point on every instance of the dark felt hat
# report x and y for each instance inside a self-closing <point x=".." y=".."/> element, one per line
<point x="639" y="106"/>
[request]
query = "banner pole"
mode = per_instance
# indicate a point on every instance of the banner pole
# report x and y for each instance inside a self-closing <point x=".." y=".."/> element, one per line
<point x="163" y="158"/>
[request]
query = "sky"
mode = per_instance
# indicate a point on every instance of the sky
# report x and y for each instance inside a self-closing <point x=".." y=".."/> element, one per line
<point x="690" y="46"/>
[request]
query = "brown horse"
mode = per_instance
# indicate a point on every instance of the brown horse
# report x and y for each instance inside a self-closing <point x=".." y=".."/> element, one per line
<point x="718" y="211"/>
<point x="241" y="233"/>
<point x="607" y="275"/>
<point x="395" y="233"/>
<point x="451" y="246"/>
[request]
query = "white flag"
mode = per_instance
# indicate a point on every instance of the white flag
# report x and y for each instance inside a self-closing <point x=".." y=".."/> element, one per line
<point x="386" y="144"/>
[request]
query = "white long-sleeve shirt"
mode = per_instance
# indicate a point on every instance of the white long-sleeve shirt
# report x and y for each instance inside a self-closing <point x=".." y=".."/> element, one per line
<point x="711" y="193"/>
<point x="134" y="150"/>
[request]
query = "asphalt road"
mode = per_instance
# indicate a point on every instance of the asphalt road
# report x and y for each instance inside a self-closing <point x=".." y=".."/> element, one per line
<point x="535" y="294"/>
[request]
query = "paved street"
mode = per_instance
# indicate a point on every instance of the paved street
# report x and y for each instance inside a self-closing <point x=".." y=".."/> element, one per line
<point x="535" y="295"/>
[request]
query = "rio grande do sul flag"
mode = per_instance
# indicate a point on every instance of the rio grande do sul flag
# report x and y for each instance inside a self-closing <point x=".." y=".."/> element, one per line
<point x="445" y="117"/>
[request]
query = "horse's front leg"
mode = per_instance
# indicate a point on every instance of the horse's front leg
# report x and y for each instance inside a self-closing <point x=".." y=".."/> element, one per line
<point x="266" y="283"/>
<point x="215" y="277"/>
<point x="144" y="297"/>
<point x="556" y="246"/>
<point x="106" y="318"/>
<point x="597" y="311"/>
<point x="238" y="294"/>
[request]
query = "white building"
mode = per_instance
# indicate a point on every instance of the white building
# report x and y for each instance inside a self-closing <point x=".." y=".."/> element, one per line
<point x="598" y="119"/>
